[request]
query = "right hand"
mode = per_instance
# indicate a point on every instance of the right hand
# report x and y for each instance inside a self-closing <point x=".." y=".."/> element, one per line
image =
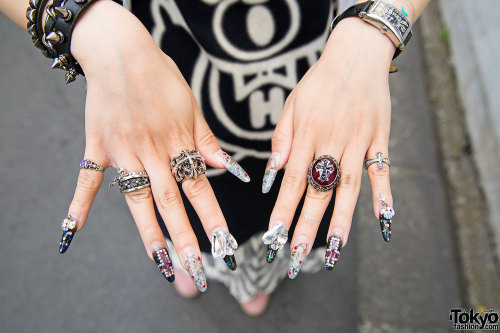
<point x="140" y="113"/>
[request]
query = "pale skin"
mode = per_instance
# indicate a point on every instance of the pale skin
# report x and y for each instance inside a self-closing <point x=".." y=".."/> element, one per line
<point x="140" y="112"/>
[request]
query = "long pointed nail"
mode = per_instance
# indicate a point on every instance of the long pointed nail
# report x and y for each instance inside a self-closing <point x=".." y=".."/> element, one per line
<point x="275" y="238"/>
<point x="230" y="262"/>
<point x="332" y="252"/>
<point x="68" y="226"/>
<point x="296" y="259"/>
<point x="271" y="254"/>
<point x="193" y="265"/>
<point x="164" y="263"/>
<point x="386" y="213"/>
<point x="224" y="246"/>
<point x="232" y="166"/>
<point x="270" y="173"/>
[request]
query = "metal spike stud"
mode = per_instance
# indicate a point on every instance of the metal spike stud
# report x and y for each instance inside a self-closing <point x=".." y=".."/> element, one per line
<point x="60" y="61"/>
<point x="80" y="1"/>
<point x="50" y="12"/>
<point x="34" y="3"/>
<point x="63" y="13"/>
<point x="32" y="30"/>
<point x="31" y="15"/>
<point x="55" y="37"/>
<point x="71" y="75"/>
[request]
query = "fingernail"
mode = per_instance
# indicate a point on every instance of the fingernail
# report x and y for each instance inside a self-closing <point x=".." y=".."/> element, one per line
<point x="232" y="166"/>
<point x="386" y="213"/>
<point x="332" y="252"/>
<point x="230" y="262"/>
<point x="296" y="259"/>
<point x="68" y="226"/>
<point x="275" y="238"/>
<point x="270" y="173"/>
<point x="223" y="246"/>
<point x="193" y="265"/>
<point x="164" y="263"/>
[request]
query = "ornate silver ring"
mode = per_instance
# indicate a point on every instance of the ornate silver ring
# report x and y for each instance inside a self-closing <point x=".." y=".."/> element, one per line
<point x="324" y="173"/>
<point x="90" y="165"/>
<point x="379" y="160"/>
<point x="133" y="181"/>
<point x="187" y="165"/>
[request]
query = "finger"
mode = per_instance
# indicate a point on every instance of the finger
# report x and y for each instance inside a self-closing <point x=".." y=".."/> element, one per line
<point x="202" y="198"/>
<point x="281" y="145"/>
<point x="346" y="196"/>
<point x="169" y="203"/>
<point x="88" y="184"/>
<point x="315" y="204"/>
<point x="291" y="191"/>
<point x="381" y="188"/>
<point x="206" y="143"/>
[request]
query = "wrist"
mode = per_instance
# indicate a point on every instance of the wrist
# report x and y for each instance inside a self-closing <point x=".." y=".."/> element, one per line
<point x="106" y="36"/>
<point x="355" y="40"/>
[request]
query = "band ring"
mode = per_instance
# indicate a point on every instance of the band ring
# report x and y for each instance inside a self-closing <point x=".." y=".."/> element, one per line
<point x="324" y="173"/>
<point x="379" y="159"/>
<point x="129" y="182"/>
<point x="90" y="165"/>
<point x="189" y="164"/>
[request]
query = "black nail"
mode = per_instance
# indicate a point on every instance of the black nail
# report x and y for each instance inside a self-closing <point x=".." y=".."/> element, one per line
<point x="66" y="239"/>
<point x="385" y="227"/>
<point x="332" y="253"/>
<point x="164" y="263"/>
<point x="230" y="262"/>
<point x="271" y="254"/>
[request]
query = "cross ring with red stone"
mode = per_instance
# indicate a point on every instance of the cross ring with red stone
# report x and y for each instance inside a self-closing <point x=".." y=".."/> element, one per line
<point x="324" y="173"/>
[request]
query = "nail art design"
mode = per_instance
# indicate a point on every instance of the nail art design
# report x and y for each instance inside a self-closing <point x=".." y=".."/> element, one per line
<point x="68" y="226"/>
<point x="223" y="246"/>
<point x="270" y="173"/>
<point x="332" y="252"/>
<point x="232" y="166"/>
<point x="296" y="259"/>
<point x="164" y="263"/>
<point x="386" y="213"/>
<point x="195" y="269"/>
<point x="275" y="238"/>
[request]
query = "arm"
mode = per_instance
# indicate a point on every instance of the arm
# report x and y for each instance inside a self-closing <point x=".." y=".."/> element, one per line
<point x="342" y="108"/>
<point x="140" y="113"/>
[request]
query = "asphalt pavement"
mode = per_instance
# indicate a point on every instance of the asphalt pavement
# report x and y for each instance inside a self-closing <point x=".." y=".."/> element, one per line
<point x="106" y="283"/>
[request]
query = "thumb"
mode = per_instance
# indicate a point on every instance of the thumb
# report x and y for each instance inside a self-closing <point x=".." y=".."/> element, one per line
<point x="281" y="145"/>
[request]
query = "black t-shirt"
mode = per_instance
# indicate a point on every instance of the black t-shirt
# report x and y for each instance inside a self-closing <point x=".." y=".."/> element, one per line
<point x="241" y="59"/>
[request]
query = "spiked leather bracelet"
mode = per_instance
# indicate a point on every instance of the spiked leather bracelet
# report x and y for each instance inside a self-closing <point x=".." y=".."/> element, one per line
<point x="34" y="26"/>
<point x="62" y="16"/>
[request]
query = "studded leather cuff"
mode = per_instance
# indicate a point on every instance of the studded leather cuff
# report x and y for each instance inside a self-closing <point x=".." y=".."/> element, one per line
<point x="55" y="42"/>
<point x="62" y="16"/>
<point x="34" y="26"/>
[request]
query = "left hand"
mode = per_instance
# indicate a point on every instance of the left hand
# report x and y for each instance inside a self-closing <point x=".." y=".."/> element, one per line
<point x="341" y="107"/>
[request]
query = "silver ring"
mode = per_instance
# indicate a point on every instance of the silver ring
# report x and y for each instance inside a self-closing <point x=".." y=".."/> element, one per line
<point x="189" y="164"/>
<point x="133" y="181"/>
<point x="90" y="165"/>
<point x="379" y="159"/>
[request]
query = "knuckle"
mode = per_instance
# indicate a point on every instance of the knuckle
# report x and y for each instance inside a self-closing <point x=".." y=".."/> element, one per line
<point x="318" y="195"/>
<point x="140" y="196"/>
<point x="293" y="181"/>
<point x="167" y="199"/>
<point x="208" y="138"/>
<point x="349" y="181"/>
<point x="195" y="188"/>
<point x="183" y="235"/>
<point x="86" y="182"/>
<point x="375" y="171"/>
